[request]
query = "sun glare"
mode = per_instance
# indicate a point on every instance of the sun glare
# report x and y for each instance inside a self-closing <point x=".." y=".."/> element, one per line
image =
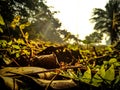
<point x="75" y="14"/>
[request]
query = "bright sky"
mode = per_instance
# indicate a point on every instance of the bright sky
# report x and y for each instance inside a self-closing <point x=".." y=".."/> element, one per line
<point x="75" y="14"/>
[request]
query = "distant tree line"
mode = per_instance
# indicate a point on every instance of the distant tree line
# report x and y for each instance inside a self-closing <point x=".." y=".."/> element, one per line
<point x="43" y="23"/>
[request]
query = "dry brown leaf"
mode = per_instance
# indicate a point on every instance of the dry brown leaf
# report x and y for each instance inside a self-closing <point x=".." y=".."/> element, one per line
<point x="59" y="84"/>
<point x="11" y="71"/>
<point x="9" y="83"/>
<point x="46" y="61"/>
<point x="20" y="70"/>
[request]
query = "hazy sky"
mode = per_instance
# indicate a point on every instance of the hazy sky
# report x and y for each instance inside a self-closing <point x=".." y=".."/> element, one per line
<point x="75" y="14"/>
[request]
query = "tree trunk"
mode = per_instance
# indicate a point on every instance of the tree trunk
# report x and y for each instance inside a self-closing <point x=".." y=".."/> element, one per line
<point x="113" y="35"/>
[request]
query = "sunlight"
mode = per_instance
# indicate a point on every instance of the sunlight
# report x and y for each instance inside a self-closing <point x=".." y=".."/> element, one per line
<point x="75" y="14"/>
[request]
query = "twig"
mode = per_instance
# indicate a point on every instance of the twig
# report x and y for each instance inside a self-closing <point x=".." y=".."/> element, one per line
<point x="52" y="80"/>
<point x="64" y="68"/>
<point x="16" y="62"/>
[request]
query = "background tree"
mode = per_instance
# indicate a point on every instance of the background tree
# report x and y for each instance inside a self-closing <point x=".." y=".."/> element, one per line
<point x="108" y="20"/>
<point x="43" y="24"/>
<point x="94" y="38"/>
<point x="67" y="36"/>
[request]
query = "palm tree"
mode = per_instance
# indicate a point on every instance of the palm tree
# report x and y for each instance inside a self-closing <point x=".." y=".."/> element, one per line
<point x="108" y="20"/>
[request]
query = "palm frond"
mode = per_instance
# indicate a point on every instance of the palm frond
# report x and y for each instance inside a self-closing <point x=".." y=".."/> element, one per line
<point x="108" y="20"/>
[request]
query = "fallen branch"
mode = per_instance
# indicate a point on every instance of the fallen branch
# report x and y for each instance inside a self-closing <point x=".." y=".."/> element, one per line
<point x="54" y="84"/>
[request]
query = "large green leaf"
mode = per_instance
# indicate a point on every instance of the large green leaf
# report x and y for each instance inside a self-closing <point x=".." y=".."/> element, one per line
<point x="97" y="78"/>
<point x="110" y="74"/>
<point x="87" y="76"/>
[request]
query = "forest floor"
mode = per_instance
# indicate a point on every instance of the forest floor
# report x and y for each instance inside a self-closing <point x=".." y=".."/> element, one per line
<point x="49" y="66"/>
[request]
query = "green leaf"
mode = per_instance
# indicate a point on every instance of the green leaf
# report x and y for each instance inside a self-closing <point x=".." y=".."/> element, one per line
<point x="26" y="52"/>
<point x="4" y="45"/>
<point x="87" y="76"/>
<point x="1" y="20"/>
<point x="17" y="55"/>
<point x="16" y="46"/>
<point x="97" y="78"/>
<point x="117" y="64"/>
<point x="1" y="30"/>
<point x="7" y="60"/>
<point x="73" y="47"/>
<point x="105" y="62"/>
<point x="117" y="79"/>
<point x="109" y="49"/>
<point x="13" y="52"/>
<point x="10" y="42"/>
<point x="20" y="41"/>
<point x="110" y="74"/>
<point x="112" y="60"/>
<point x="3" y="41"/>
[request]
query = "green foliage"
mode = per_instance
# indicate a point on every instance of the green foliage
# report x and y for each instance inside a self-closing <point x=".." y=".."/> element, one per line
<point x="110" y="75"/>
<point x="68" y="37"/>
<point x="117" y="79"/>
<point x="95" y="38"/>
<point x="13" y="48"/>
<point x="96" y="74"/>
<point x="105" y="75"/>
<point x="97" y="78"/>
<point x="107" y="21"/>
<point x="98" y="63"/>
<point x="39" y="19"/>
<point x="73" y="46"/>
<point x="86" y="76"/>
<point x="112" y="61"/>
<point x="101" y="77"/>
